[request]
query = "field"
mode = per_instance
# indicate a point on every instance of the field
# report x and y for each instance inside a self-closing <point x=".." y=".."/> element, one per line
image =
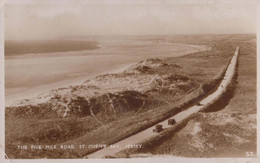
<point x="225" y="129"/>
<point x="177" y="82"/>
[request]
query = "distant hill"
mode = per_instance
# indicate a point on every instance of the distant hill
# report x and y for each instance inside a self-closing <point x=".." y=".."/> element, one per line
<point x="13" y="47"/>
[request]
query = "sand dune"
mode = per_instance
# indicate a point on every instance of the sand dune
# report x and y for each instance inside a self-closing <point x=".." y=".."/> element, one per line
<point x="29" y="75"/>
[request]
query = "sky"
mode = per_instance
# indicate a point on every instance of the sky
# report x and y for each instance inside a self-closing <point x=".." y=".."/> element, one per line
<point x="55" y="20"/>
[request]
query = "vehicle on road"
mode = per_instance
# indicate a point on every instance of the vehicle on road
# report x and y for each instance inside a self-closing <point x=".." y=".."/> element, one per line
<point x="158" y="128"/>
<point x="171" y="121"/>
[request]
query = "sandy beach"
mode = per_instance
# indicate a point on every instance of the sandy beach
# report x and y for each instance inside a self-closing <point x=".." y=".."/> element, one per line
<point x="31" y="74"/>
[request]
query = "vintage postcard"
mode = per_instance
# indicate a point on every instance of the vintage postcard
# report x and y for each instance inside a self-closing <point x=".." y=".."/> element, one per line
<point x="128" y="79"/>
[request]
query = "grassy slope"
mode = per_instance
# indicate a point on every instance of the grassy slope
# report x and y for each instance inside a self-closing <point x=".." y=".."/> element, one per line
<point x="226" y="129"/>
<point x="202" y="67"/>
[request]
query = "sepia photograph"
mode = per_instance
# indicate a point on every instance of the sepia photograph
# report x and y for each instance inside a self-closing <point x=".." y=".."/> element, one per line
<point x="128" y="79"/>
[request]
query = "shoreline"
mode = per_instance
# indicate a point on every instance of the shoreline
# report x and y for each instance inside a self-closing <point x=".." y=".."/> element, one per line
<point x="11" y="98"/>
<point x="29" y="93"/>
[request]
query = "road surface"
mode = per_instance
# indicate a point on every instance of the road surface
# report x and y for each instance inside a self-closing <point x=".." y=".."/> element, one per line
<point x="143" y="135"/>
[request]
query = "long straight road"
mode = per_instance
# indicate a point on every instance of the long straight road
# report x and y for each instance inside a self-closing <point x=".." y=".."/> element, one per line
<point x="144" y="135"/>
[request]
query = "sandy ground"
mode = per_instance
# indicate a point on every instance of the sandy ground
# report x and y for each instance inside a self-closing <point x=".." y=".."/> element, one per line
<point x="29" y="75"/>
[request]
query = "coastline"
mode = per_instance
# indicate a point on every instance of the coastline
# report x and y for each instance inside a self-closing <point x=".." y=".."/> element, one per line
<point x="77" y="79"/>
<point x="11" y="98"/>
